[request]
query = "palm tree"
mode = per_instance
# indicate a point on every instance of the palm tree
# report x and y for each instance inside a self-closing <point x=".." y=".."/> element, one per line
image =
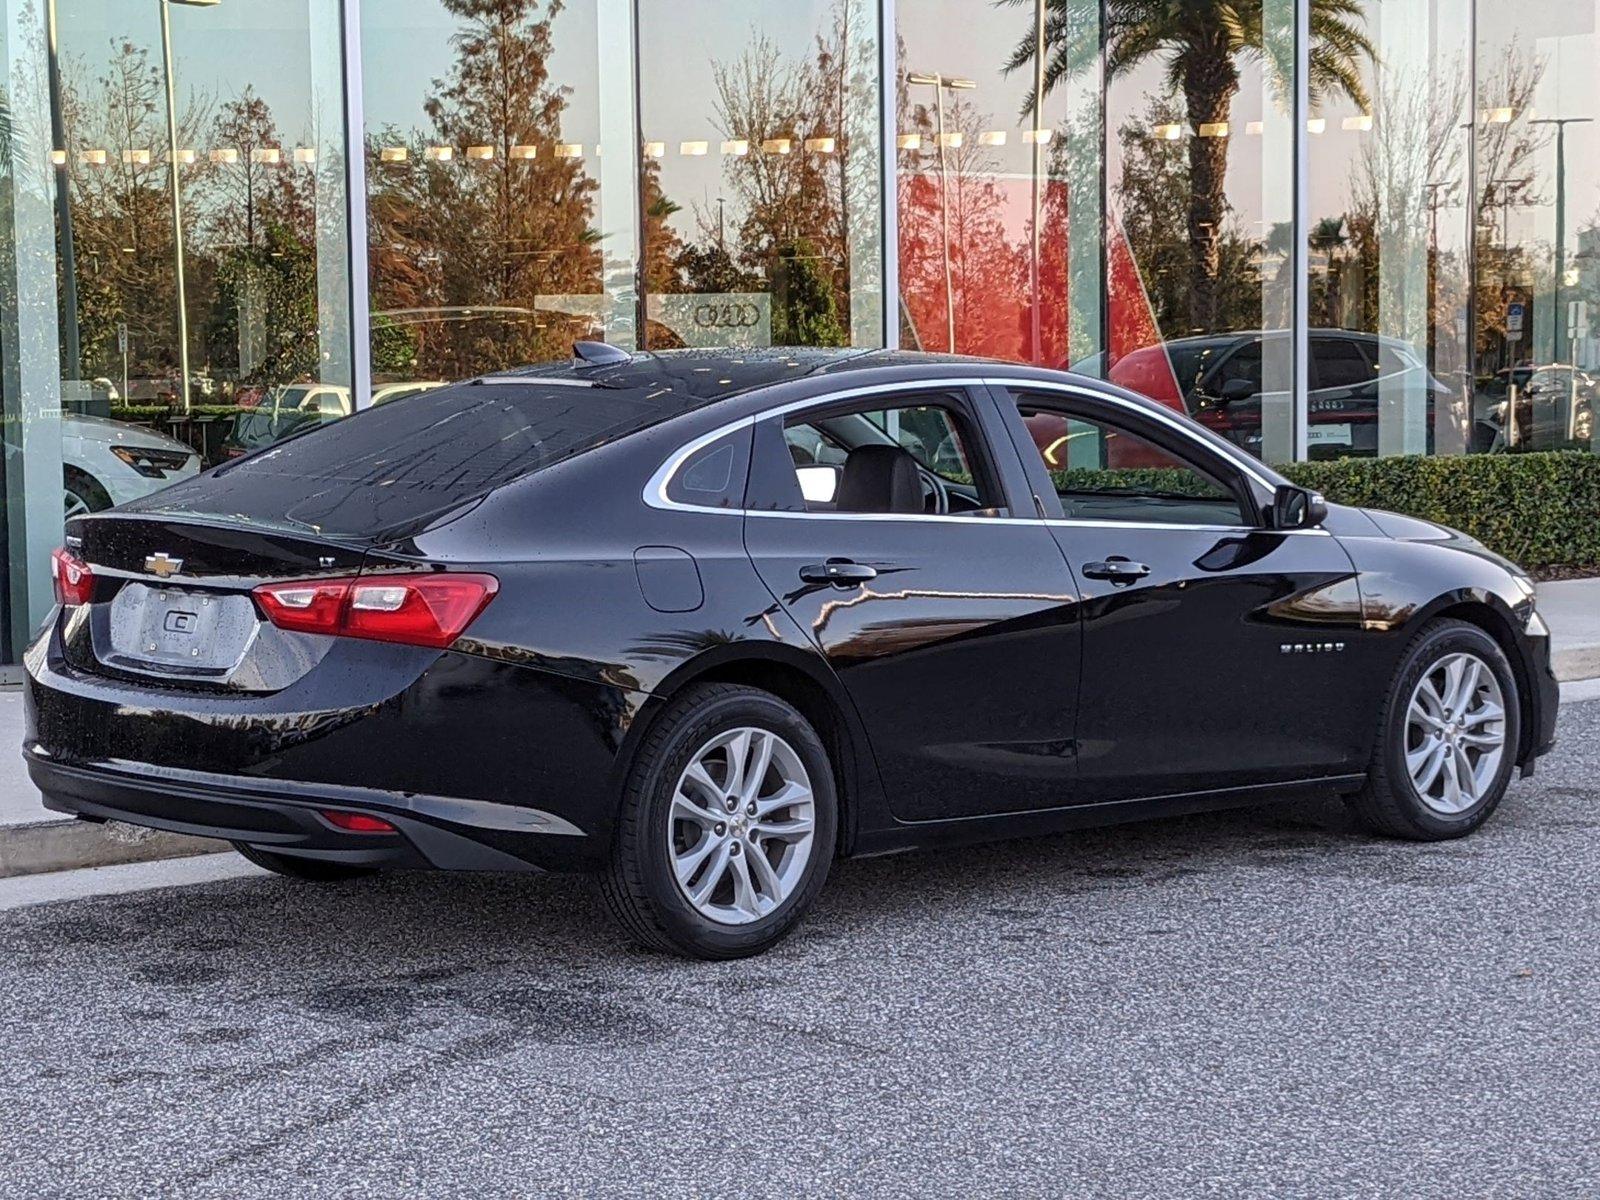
<point x="1329" y="237"/>
<point x="1204" y="43"/>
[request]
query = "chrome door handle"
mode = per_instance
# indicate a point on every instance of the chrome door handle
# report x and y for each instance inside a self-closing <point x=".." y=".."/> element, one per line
<point x="1116" y="569"/>
<point x="840" y="572"/>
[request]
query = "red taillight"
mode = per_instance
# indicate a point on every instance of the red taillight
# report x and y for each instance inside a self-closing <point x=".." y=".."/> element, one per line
<point x="74" y="580"/>
<point x="415" y="610"/>
<point x="308" y="606"/>
<point x="354" y="822"/>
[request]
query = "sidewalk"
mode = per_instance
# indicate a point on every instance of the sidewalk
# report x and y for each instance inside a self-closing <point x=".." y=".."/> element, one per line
<point x="1572" y="610"/>
<point x="33" y="839"/>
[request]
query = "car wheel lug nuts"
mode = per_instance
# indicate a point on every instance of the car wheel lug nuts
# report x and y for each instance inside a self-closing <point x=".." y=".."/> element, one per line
<point x="735" y="847"/>
<point x="721" y="829"/>
<point x="751" y="808"/>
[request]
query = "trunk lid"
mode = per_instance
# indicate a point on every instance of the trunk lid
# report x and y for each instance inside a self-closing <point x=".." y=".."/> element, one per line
<point x="172" y="601"/>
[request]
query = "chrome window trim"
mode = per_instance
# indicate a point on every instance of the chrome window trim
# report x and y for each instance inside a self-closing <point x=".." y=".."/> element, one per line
<point x="655" y="490"/>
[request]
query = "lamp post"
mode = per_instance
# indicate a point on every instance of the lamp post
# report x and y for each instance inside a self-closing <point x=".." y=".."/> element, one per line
<point x="1037" y="169"/>
<point x="172" y="180"/>
<point x="72" y="350"/>
<point x="940" y="84"/>
<point x="1561" y="123"/>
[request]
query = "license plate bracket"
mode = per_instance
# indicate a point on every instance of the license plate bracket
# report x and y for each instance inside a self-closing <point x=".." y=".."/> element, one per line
<point x="179" y="631"/>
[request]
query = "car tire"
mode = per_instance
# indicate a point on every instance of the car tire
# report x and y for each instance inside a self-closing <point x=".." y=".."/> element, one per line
<point x="727" y="906"/>
<point x="310" y="869"/>
<point x="83" y="493"/>
<point x="1430" y="719"/>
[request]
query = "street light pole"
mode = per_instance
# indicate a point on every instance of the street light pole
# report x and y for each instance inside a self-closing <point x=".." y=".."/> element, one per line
<point x="940" y="83"/>
<point x="172" y="181"/>
<point x="71" y="348"/>
<point x="1035" y="320"/>
<point x="1561" y="123"/>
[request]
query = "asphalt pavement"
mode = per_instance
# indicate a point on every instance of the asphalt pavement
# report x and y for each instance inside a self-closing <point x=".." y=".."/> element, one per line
<point x="1257" y="1003"/>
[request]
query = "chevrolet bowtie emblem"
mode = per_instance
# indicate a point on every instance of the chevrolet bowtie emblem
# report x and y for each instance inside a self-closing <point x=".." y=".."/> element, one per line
<point x="160" y="564"/>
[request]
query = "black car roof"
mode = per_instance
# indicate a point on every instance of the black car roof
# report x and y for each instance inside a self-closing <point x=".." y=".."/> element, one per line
<point x="702" y="377"/>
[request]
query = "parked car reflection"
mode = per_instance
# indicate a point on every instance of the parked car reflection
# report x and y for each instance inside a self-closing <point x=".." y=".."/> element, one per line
<point x="1554" y="407"/>
<point x="296" y="407"/>
<point x="1218" y="380"/>
<point x="107" y="462"/>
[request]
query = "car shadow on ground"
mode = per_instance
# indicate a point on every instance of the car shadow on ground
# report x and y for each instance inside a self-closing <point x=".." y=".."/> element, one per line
<point x="444" y="921"/>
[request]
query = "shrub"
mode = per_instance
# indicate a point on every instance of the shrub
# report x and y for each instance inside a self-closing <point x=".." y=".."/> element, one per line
<point x="1539" y="510"/>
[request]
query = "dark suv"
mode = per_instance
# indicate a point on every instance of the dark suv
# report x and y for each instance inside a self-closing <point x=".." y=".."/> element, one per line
<point x="1218" y="380"/>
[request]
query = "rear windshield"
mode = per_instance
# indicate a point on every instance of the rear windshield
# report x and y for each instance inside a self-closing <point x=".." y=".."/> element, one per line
<point x="393" y="468"/>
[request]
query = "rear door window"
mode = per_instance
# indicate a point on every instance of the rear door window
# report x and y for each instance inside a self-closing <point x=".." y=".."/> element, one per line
<point x="1339" y="363"/>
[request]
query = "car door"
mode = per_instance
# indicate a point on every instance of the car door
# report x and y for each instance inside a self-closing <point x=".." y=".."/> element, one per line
<point x="1213" y="648"/>
<point x="954" y="632"/>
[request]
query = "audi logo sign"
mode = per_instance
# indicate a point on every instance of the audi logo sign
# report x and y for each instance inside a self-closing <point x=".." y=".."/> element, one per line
<point x="727" y="315"/>
<point x="715" y="318"/>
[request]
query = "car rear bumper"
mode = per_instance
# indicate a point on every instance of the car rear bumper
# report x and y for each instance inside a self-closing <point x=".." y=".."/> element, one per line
<point x="432" y="832"/>
<point x="479" y="765"/>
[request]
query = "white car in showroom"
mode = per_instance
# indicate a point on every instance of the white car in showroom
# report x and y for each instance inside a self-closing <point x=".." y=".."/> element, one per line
<point x="109" y="462"/>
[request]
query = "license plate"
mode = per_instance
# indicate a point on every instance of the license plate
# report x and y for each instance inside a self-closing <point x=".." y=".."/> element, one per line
<point x="173" y="630"/>
<point x="1328" y="435"/>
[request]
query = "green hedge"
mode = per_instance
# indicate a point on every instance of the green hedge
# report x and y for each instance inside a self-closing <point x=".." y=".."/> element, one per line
<point x="1170" y="481"/>
<point x="148" y="413"/>
<point x="1539" y="510"/>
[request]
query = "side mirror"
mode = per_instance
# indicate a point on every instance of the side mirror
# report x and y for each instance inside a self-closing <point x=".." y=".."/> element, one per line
<point x="1297" y="508"/>
<point x="1238" y="389"/>
<point x="819" y="484"/>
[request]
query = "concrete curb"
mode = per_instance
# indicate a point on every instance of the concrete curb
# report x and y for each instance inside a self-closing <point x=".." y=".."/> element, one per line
<point x="1579" y="663"/>
<point x="64" y="845"/>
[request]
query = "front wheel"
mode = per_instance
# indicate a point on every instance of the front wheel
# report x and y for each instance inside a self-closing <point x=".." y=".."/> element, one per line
<point x="727" y="825"/>
<point x="1447" y="742"/>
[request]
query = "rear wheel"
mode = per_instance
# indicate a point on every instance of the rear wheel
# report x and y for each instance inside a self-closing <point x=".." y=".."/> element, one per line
<point x="727" y="825"/>
<point x="310" y="869"/>
<point x="1448" y="740"/>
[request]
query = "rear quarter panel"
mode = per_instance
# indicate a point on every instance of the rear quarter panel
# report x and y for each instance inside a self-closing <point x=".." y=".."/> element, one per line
<point x="563" y="545"/>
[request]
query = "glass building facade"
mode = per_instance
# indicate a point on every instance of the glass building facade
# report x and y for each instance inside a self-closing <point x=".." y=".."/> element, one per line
<point x="1346" y="227"/>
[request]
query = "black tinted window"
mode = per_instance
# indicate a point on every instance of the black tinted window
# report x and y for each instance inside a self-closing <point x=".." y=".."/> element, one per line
<point x="1340" y="363"/>
<point x="392" y="467"/>
<point x="1104" y="470"/>
<point x="1244" y="364"/>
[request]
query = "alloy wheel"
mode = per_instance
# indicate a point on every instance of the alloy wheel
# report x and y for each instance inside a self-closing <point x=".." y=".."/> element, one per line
<point x="1455" y="733"/>
<point x="741" y="826"/>
<point x="76" y="505"/>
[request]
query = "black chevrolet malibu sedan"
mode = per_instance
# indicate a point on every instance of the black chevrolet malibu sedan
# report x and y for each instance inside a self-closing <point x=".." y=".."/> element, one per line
<point x="702" y="622"/>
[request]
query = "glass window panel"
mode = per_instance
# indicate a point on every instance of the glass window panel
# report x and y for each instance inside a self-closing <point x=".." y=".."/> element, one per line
<point x="30" y="375"/>
<point x="240" y="195"/>
<point x="487" y="217"/>
<point x="1199" y="154"/>
<point x="1538" y="226"/>
<point x="1388" y="244"/>
<point x="1000" y="192"/>
<point x="761" y="173"/>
